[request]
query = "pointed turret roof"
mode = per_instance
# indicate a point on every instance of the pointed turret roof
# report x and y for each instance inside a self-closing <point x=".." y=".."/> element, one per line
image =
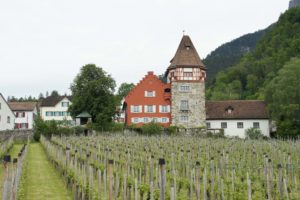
<point x="186" y="55"/>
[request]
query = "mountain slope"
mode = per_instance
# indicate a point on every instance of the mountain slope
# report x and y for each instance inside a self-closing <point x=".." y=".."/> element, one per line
<point x="247" y="79"/>
<point x="230" y="53"/>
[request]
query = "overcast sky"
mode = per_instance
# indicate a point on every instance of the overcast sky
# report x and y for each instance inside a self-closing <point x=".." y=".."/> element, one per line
<point x="44" y="43"/>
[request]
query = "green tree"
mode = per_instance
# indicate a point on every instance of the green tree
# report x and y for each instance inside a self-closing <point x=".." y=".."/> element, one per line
<point x="283" y="96"/>
<point x="92" y="91"/>
<point x="124" y="89"/>
<point x="54" y="93"/>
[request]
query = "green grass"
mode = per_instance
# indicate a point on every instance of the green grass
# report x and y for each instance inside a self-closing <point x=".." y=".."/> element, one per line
<point x="14" y="154"/>
<point x="41" y="180"/>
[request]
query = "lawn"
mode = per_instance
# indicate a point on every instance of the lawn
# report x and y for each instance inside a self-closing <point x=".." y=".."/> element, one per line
<point x="41" y="180"/>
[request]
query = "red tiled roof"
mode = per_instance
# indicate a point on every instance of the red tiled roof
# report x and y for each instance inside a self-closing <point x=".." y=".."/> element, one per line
<point x="241" y="109"/>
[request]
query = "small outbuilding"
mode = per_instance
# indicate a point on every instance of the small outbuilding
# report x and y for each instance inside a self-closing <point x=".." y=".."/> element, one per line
<point x="83" y="118"/>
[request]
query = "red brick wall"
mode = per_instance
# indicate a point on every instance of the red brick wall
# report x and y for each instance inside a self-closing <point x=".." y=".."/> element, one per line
<point x="137" y="97"/>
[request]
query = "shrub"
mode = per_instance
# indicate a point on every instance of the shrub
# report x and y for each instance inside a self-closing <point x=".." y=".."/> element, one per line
<point x="172" y="130"/>
<point x="254" y="134"/>
<point x="151" y="128"/>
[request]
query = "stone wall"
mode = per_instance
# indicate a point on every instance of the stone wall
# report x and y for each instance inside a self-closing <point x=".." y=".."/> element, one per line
<point x="19" y="135"/>
<point x="196" y="101"/>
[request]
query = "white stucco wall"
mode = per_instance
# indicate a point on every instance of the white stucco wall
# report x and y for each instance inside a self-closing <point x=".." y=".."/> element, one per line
<point x="29" y="117"/>
<point x="232" y="129"/>
<point x="57" y="108"/>
<point x="4" y="113"/>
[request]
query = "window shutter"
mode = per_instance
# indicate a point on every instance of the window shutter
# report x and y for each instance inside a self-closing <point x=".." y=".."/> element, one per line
<point x="146" y="109"/>
<point x="169" y="108"/>
<point x="154" y="109"/>
<point x="153" y="93"/>
<point x="160" y="109"/>
<point x="145" y="93"/>
<point x="17" y="114"/>
<point x="140" y="109"/>
<point x="131" y="108"/>
<point x="23" y="114"/>
<point x="26" y="125"/>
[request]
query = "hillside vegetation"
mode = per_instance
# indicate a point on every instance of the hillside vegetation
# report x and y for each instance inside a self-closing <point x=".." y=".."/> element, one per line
<point x="230" y="53"/>
<point x="249" y="77"/>
<point x="270" y="72"/>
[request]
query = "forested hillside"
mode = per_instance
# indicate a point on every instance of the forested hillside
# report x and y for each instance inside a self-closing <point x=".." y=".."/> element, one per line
<point x="249" y="77"/>
<point x="230" y="53"/>
<point x="270" y="72"/>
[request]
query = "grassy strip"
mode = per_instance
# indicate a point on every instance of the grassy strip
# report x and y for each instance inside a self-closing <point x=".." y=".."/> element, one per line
<point x="40" y="180"/>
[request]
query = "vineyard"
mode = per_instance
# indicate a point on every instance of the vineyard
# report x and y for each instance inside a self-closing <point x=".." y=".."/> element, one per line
<point x="140" y="167"/>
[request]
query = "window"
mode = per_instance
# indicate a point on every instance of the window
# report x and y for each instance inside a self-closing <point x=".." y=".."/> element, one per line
<point x="255" y="124"/>
<point x="164" y="109"/>
<point x="208" y="125"/>
<point x="64" y="104"/>
<point x="146" y="120"/>
<point x="164" y="120"/>
<point x="8" y="119"/>
<point x="188" y="74"/>
<point x="135" y="120"/>
<point x="136" y="109"/>
<point x="150" y="109"/>
<point x="184" y="88"/>
<point x="184" y="105"/>
<point x="223" y="124"/>
<point x="149" y="93"/>
<point x="184" y="118"/>
<point x="240" y="125"/>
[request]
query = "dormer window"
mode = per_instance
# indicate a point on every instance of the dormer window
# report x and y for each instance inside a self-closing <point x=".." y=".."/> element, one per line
<point x="229" y="110"/>
<point x="64" y="104"/>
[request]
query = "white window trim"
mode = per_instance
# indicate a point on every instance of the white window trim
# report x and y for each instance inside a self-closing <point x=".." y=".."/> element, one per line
<point x="153" y="107"/>
<point x="147" y="94"/>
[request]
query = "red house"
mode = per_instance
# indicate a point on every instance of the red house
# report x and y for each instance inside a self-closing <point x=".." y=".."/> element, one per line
<point x="148" y="101"/>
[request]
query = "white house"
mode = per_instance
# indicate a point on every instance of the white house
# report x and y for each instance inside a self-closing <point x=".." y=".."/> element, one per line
<point x="7" y="117"/>
<point x="236" y="116"/>
<point x="56" y="108"/>
<point x="25" y="113"/>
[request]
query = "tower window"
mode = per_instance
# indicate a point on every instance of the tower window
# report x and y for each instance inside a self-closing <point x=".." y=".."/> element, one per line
<point x="184" y="118"/>
<point x="149" y="93"/>
<point x="184" y="105"/>
<point x="184" y="88"/>
<point x="188" y="74"/>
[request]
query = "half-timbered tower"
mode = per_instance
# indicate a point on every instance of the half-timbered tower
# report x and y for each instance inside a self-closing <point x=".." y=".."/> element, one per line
<point x="186" y="74"/>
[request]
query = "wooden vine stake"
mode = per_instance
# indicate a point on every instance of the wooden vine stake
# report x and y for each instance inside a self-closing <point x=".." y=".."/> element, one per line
<point x="280" y="181"/>
<point x="198" y="180"/>
<point x="162" y="163"/>
<point x="249" y="187"/>
<point x="110" y="178"/>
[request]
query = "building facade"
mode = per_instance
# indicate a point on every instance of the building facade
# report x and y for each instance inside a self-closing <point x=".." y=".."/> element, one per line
<point x="180" y="100"/>
<point x="7" y="117"/>
<point x="235" y="117"/>
<point x="56" y="108"/>
<point x="148" y="101"/>
<point x="25" y="113"/>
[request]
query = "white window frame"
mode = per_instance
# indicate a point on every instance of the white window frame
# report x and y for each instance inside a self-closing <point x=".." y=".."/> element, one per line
<point x="135" y="120"/>
<point x="146" y="108"/>
<point x="184" y="118"/>
<point x="184" y="88"/>
<point x="164" y="108"/>
<point x="136" y="109"/>
<point x="240" y="125"/>
<point x="224" y="125"/>
<point x="164" y="120"/>
<point x="150" y="94"/>
<point x="184" y="107"/>
<point x="256" y="125"/>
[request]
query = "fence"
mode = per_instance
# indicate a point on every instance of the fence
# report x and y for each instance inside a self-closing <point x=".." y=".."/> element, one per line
<point x="12" y="173"/>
